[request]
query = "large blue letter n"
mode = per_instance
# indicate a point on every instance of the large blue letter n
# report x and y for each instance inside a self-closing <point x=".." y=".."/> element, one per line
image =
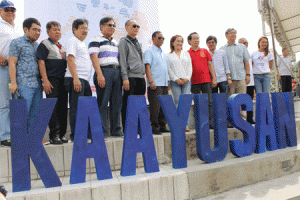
<point x="27" y="143"/>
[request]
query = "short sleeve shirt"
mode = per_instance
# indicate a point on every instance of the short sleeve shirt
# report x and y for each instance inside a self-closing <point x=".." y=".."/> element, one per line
<point x="283" y="71"/>
<point x="83" y="62"/>
<point x="220" y="63"/>
<point x="261" y="62"/>
<point x="237" y="54"/>
<point x="200" y="60"/>
<point x="27" y="65"/>
<point x="158" y="65"/>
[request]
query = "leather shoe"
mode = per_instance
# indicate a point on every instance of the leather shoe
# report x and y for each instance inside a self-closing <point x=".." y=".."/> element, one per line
<point x="164" y="130"/>
<point x="6" y="143"/>
<point x="64" y="140"/>
<point x="156" y="132"/>
<point x="55" y="140"/>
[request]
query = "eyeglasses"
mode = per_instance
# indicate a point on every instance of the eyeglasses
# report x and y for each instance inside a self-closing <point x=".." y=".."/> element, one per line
<point x="135" y="25"/>
<point x="161" y="38"/>
<point x="85" y="28"/>
<point x="37" y="30"/>
<point x="111" y="25"/>
<point x="10" y="10"/>
<point x="245" y="42"/>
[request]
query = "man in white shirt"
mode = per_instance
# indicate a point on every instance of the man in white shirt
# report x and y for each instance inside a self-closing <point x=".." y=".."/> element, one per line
<point x="283" y="70"/>
<point x="8" y="32"/>
<point x="79" y="69"/>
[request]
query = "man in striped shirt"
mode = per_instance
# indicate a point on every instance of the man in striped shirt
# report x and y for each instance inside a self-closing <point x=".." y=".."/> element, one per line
<point x="104" y="54"/>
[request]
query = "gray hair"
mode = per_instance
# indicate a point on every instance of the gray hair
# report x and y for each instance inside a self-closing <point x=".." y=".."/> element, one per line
<point x="228" y="30"/>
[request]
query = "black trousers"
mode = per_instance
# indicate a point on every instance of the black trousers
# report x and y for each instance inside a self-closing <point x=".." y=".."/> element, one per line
<point x="137" y="87"/>
<point x="286" y="83"/>
<point x="205" y="88"/>
<point x="157" y="116"/>
<point x="250" y="91"/>
<point x="58" y="121"/>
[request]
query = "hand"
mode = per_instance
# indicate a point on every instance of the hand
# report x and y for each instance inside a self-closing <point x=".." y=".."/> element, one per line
<point x="247" y="80"/>
<point x="185" y="81"/>
<point x="47" y="86"/>
<point x="3" y="61"/>
<point x="13" y="87"/>
<point x="77" y="85"/>
<point x="169" y="86"/>
<point x="153" y="86"/>
<point x="214" y="83"/>
<point x="126" y="85"/>
<point x="229" y="83"/>
<point x="179" y="82"/>
<point x="279" y="77"/>
<point x="101" y="81"/>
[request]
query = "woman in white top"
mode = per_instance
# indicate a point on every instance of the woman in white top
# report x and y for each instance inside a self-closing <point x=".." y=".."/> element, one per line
<point x="262" y="62"/>
<point x="180" y="70"/>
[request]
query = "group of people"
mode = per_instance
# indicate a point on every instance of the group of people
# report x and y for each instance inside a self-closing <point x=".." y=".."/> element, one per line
<point x="27" y="68"/>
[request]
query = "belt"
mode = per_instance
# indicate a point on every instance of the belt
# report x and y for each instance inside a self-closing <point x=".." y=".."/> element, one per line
<point x="111" y="66"/>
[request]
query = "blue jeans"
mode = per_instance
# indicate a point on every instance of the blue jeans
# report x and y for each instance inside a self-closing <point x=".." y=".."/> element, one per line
<point x="73" y="99"/>
<point x="112" y="93"/>
<point x="5" y="96"/>
<point x="178" y="90"/>
<point x="262" y="83"/>
<point x="33" y="96"/>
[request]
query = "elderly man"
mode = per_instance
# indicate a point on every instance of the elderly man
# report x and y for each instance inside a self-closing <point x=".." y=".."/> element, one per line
<point x="132" y="65"/>
<point x="238" y="60"/>
<point x="8" y="32"/>
<point x="79" y="69"/>
<point x="52" y="65"/>
<point x="24" y="69"/>
<point x="104" y="54"/>
<point x="157" y="74"/>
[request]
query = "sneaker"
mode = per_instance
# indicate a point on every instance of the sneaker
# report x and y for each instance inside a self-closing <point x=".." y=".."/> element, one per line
<point x="6" y="143"/>
<point x="55" y="140"/>
<point x="64" y="139"/>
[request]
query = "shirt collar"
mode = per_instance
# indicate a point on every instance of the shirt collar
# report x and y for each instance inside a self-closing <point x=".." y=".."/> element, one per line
<point x="52" y="41"/>
<point x="234" y="44"/>
<point x="4" y="22"/>
<point x="156" y="48"/>
<point x="198" y="49"/>
<point x="131" y="39"/>
<point x="101" y="35"/>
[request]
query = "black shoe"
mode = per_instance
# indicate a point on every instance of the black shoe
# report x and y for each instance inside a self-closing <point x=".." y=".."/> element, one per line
<point x="164" y="130"/>
<point x="55" y="140"/>
<point x="6" y="143"/>
<point x="156" y="132"/>
<point x="211" y="127"/>
<point x="64" y="139"/>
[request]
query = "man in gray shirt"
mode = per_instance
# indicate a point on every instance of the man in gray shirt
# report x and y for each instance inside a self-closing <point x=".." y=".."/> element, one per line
<point x="132" y="65"/>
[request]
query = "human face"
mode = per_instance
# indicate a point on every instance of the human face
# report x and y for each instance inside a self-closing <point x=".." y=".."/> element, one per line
<point x="54" y="33"/>
<point x="285" y="52"/>
<point x="244" y="42"/>
<point x="133" y="28"/>
<point x="194" y="42"/>
<point x="81" y="32"/>
<point x="231" y="36"/>
<point x="108" y="29"/>
<point x="178" y="43"/>
<point x="158" y="40"/>
<point x="8" y="14"/>
<point x="211" y="44"/>
<point x="33" y="33"/>
<point x="263" y="44"/>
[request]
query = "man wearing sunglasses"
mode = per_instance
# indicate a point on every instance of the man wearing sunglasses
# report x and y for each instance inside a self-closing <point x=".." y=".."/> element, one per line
<point x="8" y="32"/>
<point x="157" y="74"/>
<point x="132" y="65"/>
<point x="103" y="50"/>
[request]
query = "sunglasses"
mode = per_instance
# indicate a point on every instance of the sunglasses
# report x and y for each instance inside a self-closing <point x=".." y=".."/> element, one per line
<point x="161" y="38"/>
<point x="111" y="25"/>
<point x="9" y="10"/>
<point x="135" y="25"/>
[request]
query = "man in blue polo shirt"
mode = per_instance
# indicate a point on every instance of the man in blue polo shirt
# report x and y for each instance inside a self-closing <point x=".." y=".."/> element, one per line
<point x="104" y="54"/>
<point x="157" y="75"/>
<point x="52" y="65"/>
<point x="24" y="69"/>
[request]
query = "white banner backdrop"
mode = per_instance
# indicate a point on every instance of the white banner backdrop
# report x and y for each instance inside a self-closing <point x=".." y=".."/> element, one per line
<point x="66" y="11"/>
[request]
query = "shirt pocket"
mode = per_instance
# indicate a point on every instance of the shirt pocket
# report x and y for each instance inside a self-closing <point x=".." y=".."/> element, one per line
<point x="239" y="53"/>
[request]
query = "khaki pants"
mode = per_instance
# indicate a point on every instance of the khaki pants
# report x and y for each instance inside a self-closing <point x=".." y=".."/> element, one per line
<point x="238" y="87"/>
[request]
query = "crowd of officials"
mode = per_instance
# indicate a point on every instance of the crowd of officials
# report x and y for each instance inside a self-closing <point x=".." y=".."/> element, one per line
<point x="28" y="68"/>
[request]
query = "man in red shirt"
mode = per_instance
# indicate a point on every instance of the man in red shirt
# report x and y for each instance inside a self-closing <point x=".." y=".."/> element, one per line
<point x="203" y="77"/>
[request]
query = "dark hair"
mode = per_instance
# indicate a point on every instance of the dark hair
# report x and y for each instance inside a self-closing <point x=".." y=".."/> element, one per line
<point x="211" y="38"/>
<point x="190" y="35"/>
<point x="104" y="20"/>
<point x="29" y="21"/>
<point x="228" y="30"/>
<point x="267" y="48"/>
<point x="52" y="23"/>
<point x="77" y="22"/>
<point x="172" y="40"/>
<point x="283" y="49"/>
<point x="155" y="33"/>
